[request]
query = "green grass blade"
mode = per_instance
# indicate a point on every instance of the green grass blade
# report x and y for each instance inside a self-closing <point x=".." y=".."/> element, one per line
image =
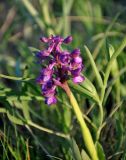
<point x="34" y="13"/>
<point x="109" y="65"/>
<point x="94" y="67"/>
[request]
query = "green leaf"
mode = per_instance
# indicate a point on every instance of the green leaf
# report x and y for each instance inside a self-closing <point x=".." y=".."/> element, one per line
<point x="84" y="91"/>
<point x="75" y="150"/>
<point x="67" y="5"/>
<point x="115" y="72"/>
<point x="67" y="118"/>
<point x="14" y="119"/>
<point x="84" y="155"/>
<point x="10" y="77"/>
<point x="111" y="50"/>
<point x="25" y="109"/>
<point x="110" y="64"/>
<point x="119" y="133"/>
<point x="34" y="13"/>
<point x="100" y="151"/>
<point x="13" y="153"/>
<point x="107" y="50"/>
<point x="32" y="49"/>
<point x="124" y="157"/>
<point x="113" y="57"/>
<point x="101" y="42"/>
<point x="2" y="110"/>
<point x="94" y="67"/>
<point x="88" y="85"/>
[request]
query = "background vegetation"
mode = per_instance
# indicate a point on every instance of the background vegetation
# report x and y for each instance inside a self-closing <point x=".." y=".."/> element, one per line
<point x="99" y="24"/>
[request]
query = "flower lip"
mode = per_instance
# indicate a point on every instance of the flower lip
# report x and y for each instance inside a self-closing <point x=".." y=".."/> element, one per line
<point x="78" y="79"/>
<point x="78" y="59"/>
<point x="74" y="64"/>
<point x="50" y="100"/>
<point x="49" y="92"/>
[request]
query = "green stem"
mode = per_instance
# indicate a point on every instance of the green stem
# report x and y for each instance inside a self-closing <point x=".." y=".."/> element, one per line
<point x="89" y="121"/>
<point x="101" y="121"/>
<point x="88" y="141"/>
<point x="101" y="113"/>
<point x="30" y="123"/>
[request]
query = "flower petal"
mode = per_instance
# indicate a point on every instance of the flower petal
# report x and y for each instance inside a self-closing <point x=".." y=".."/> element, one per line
<point x="68" y="39"/>
<point x="64" y="59"/>
<point x="44" y="39"/>
<point x="50" y="100"/>
<point x="43" y="54"/>
<point x="78" y="79"/>
<point x="75" y="53"/>
<point x="78" y="59"/>
<point x="76" y="72"/>
<point x="46" y="71"/>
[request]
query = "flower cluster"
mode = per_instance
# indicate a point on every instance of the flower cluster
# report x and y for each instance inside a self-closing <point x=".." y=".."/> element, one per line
<point x="61" y="65"/>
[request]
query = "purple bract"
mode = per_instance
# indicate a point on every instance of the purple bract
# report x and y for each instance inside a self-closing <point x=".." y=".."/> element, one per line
<point x="60" y="66"/>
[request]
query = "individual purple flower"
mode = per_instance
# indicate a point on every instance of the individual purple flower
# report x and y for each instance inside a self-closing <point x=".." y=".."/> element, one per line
<point x="76" y="63"/>
<point x="78" y="79"/>
<point x="44" y="39"/>
<point x="45" y="75"/>
<point x="60" y="66"/>
<point x="49" y="89"/>
<point x="75" y="53"/>
<point x="50" y="100"/>
<point x="68" y="39"/>
<point x="64" y="57"/>
<point x="76" y="72"/>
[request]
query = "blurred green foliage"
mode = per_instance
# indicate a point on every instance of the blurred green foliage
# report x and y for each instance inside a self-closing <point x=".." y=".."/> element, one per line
<point x="29" y="129"/>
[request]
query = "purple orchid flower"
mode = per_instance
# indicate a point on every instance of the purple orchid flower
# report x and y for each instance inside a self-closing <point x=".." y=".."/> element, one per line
<point x="61" y="65"/>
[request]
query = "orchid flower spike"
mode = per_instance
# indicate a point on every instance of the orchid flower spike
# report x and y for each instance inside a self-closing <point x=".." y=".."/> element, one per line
<point x="61" y="66"/>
